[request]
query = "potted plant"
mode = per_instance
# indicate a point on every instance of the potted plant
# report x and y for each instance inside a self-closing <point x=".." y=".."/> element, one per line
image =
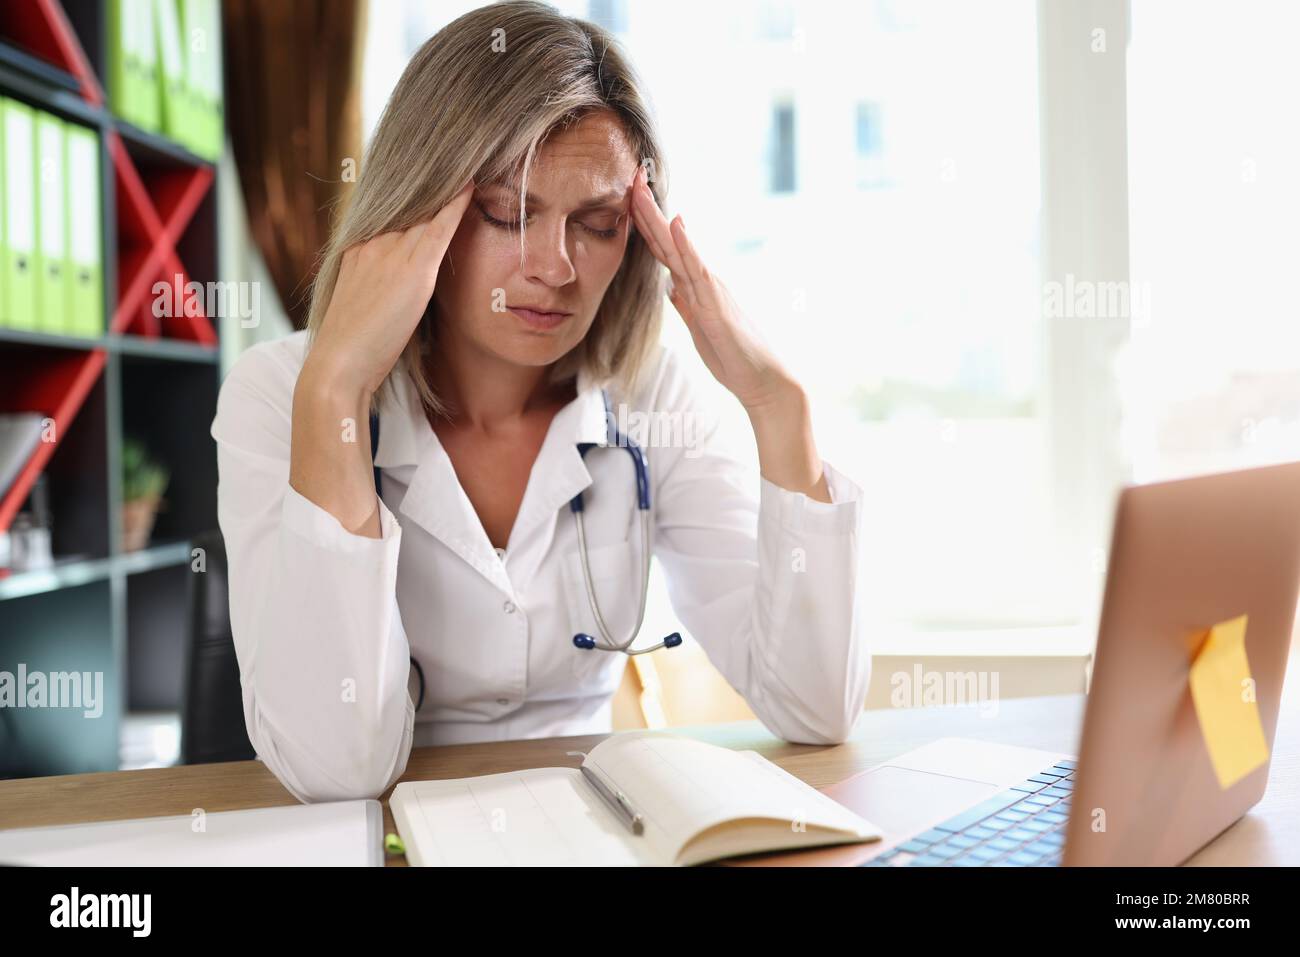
<point x="143" y="482"/>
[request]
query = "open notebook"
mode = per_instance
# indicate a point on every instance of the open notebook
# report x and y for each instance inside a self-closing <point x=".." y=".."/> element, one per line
<point x="699" y="802"/>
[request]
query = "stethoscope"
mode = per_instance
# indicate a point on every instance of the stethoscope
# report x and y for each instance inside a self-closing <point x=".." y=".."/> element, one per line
<point x="586" y="642"/>
<point x="616" y="438"/>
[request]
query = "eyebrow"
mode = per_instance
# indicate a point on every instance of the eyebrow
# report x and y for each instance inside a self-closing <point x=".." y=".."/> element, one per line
<point x="608" y="198"/>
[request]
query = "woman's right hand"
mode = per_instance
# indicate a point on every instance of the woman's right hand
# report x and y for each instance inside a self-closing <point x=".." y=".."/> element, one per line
<point x="383" y="287"/>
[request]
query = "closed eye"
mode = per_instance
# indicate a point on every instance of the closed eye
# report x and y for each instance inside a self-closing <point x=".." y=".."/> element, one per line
<point x="499" y="223"/>
<point x="600" y="233"/>
<point x="513" y="224"/>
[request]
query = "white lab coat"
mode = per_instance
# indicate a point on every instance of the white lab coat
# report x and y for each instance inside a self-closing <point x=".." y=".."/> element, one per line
<point x="325" y="621"/>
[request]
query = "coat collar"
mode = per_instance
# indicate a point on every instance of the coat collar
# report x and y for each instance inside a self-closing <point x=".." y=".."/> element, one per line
<point x="436" y="501"/>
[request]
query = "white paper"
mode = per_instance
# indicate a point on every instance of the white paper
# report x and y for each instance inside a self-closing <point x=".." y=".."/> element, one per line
<point x="334" y="834"/>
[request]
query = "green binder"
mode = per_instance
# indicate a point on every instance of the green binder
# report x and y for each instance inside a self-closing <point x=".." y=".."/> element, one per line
<point x="20" y="216"/>
<point x="85" y="239"/>
<point x="205" y="133"/>
<point x="51" y="228"/>
<point x="126" y="77"/>
<point x="215" y="142"/>
<point x="197" y="39"/>
<point x="132" y="53"/>
<point x="145" y="39"/>
<point x="4" y="228"/>
<point x="176" y="119"/>
<point x="123" y="65"/>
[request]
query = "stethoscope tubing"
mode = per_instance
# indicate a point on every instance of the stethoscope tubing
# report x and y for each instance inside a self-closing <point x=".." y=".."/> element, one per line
<point x="611" y="644"/>
<point x="617" y="439"/>
<point x="586" y="642"/>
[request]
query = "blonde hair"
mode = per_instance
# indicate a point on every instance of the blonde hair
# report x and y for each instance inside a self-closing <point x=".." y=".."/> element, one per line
<point x="478" y="100"/>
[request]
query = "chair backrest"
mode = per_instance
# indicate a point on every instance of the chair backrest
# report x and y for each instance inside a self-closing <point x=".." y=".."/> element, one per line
<point x="212" y="717"/>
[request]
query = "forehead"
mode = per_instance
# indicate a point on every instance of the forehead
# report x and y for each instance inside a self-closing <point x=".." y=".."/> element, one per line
<point x="588" y="158"/>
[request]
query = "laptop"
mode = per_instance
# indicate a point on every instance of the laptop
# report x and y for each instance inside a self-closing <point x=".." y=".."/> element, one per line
<point x="1142" y="791"/>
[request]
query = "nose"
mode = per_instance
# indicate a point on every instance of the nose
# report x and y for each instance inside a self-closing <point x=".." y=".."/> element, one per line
<point x="546" y="253"/>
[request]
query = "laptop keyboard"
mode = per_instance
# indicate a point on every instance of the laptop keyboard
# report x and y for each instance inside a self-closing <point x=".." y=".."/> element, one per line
<point x="1021" y="827"/>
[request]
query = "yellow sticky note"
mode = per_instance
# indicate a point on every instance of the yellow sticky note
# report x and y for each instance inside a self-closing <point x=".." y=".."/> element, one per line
<point x="1224" y="695"/>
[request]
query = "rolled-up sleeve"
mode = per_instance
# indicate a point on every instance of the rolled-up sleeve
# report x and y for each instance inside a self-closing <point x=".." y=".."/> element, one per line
<point x="766" y="583"/>
<point x="323" y="656"/>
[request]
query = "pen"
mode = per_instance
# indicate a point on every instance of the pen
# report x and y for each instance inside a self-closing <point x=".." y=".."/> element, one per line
<point x="617" y="800"/>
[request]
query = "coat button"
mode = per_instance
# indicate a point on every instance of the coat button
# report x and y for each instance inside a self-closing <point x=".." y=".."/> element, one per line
<point x="508" y="608"/>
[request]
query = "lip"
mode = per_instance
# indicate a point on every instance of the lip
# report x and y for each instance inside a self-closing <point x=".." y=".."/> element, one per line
<point x="539" y="319"/>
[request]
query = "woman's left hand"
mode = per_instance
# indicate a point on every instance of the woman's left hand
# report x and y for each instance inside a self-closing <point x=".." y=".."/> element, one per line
<point x="725" y="340"/>
<point x="730" y="347"/>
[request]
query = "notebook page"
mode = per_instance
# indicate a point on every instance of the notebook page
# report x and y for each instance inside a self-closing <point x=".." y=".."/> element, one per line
<point x="333" y="834"/>
<point x="543" y="817"/>
<point x="828" y="809"/>
<point x="686" y="786"/>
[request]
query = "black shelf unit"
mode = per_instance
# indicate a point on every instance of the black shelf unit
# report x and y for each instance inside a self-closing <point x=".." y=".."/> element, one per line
<point x="101" y="609"/>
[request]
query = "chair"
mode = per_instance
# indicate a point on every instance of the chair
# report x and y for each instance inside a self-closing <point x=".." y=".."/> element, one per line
<point x="212" y="715"/>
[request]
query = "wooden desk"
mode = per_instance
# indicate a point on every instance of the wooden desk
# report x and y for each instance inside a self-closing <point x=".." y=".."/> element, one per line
<point x="1269" y="834"/>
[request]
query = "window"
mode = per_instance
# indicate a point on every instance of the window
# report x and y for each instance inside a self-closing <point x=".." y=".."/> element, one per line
<point x="773" y="19"/>
<point x="1213" y="374"/>
<point x="866" y="179"/>
<point x="610" y="14"/>
<point x="780" y="149"/>
<point x="869" y="140"/>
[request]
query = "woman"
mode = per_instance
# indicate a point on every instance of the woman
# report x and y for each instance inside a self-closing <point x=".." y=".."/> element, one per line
<point x="487" y="325"/>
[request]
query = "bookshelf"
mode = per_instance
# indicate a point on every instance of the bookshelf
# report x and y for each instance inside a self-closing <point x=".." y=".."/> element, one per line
<point x="156" y="379"/>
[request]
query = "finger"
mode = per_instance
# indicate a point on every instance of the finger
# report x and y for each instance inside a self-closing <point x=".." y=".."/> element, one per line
<point x="652" y="245"/>
<point x="432" y="242"/>
<point x="411" y="237"/>
<point x="680" y="304"/>
<point x="383" y="243"/>
<point x="707" y="297"/>
<point x="375" y="250"/>
<point x="650" y="221"/>
<point x="643" y="227"/>
<point x="697" y="336"/>
<point x="656" y="227"/>
<point x="686" y="249"/>
<point x="685" y="308"/>
<point x="435" y="233"/>
<point x="680" y="281"/>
